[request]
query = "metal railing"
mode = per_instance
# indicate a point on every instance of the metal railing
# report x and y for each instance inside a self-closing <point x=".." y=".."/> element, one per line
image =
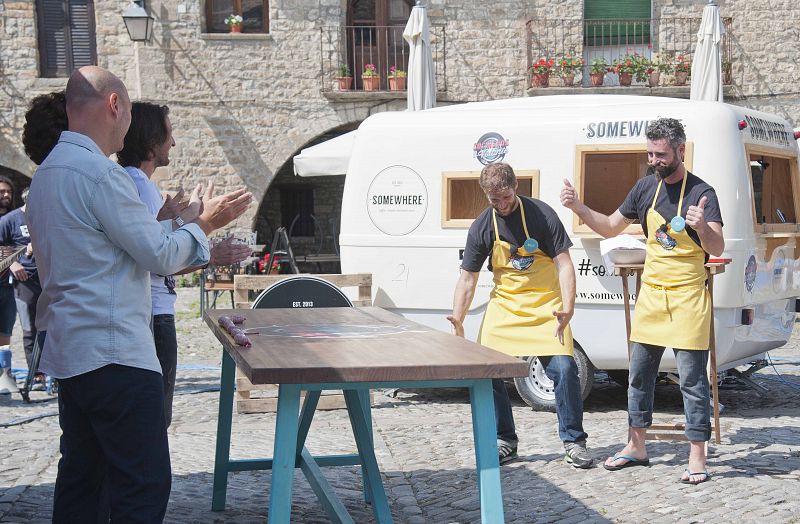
<point x="664" y="39"/>
<point x="382" y="46"/>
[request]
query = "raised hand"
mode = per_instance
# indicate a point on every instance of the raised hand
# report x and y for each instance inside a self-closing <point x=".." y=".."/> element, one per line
<point x="172" y="207"/>
<point x="563" y="318"/>
<point x="226" y="252"/>
<point x="695" y="215"/>
<point x="569" y="196"/>
<point x="458" y="326"/>
<point x="221" y="210"/>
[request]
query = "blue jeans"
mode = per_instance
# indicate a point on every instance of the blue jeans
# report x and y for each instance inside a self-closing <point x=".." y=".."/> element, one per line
<point x="645" y="359"/>
<point x="563" y="371"/>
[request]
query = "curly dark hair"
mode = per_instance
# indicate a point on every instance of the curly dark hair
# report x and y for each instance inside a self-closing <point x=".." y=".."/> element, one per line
<point x="148" y="130"/>
<point x="45" y="119"/>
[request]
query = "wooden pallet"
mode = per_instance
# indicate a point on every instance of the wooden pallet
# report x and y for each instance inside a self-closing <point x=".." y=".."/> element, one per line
<point x="263" y="398"/>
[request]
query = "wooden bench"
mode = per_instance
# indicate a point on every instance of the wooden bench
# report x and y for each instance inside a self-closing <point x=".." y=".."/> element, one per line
<point x="264" y="397"/>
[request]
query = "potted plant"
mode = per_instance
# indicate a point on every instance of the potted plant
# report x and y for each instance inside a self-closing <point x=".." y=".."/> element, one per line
<point x="397" y="79"/>
<point x="344" y="77"/>
<point x="597" y="71"/>
<point x="658" y="64"/>
<point x="370" y="78"/>
<point x="628" y="66"/>
<point x="540" y="72"/>
<point x="682" y="67"/>
<point x="567" y="67"/>
<point x="234" y="23"/>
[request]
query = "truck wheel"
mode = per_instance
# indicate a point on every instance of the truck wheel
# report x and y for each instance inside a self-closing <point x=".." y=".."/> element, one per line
<point x="537" y="389"/>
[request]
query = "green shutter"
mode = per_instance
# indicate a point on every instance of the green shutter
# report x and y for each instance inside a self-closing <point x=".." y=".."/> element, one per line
<point x="631" y="24"/>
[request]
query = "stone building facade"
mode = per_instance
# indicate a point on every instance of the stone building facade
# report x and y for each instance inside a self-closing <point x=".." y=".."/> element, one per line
<point x="242" y="105"/>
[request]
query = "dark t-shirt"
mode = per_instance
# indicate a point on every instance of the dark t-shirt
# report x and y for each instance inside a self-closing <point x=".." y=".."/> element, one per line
<point x="640" y="198"/>
<point x="543" y="225"/>
<point x="14" y="232"/>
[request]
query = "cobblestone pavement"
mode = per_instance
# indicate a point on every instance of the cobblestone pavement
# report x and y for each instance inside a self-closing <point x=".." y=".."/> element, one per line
<point x="424" y="448"/>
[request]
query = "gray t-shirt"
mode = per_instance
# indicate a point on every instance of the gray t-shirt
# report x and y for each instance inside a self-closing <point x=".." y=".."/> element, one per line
<point x="640" y="198"/>
<point x="543" y="225"/>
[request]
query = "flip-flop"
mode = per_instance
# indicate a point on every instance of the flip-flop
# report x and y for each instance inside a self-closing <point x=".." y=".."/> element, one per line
<point x="687" y="480"/>
<point x="631" y="462"/>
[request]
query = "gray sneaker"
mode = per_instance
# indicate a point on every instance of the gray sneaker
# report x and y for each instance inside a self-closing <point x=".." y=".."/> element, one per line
<point x="506" y="451"/>
<point x="577" y="455"/>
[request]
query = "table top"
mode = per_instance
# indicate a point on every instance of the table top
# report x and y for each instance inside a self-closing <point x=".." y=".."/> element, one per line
<point x="337" y="345"/>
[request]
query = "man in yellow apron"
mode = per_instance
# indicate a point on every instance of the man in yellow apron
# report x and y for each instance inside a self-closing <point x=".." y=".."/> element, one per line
<point x="680" y="216"/>
<point x="531" y="304"/>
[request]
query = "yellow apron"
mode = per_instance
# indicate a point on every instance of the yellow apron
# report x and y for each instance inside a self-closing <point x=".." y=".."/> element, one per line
<point x="673" y="308"/>
<point x="519" y="317"/>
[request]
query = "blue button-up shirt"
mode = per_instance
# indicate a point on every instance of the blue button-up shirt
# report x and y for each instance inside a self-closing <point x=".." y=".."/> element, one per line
<point x="96" y="244"/>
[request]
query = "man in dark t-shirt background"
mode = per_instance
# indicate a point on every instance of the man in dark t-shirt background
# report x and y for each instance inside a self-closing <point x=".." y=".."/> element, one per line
<point x="530" y="305"/>
<point x="14" y="232"/>
<point x="8" y="308"/>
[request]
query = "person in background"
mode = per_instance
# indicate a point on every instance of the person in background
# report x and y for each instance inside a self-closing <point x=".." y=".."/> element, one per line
<point x="147" y="147"/>
<point x="8" y="307"/>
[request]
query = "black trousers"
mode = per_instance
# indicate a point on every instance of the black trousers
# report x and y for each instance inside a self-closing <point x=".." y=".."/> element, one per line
<point x="167" y="351"/>
<point x="112" y="423"/>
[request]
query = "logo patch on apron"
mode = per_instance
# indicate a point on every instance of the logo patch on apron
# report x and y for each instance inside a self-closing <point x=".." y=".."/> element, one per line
<point x="663" y="238"/>
<point x="521" y="263"/>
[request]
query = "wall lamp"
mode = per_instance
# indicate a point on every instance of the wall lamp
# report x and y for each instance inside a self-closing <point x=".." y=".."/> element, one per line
<point x="138" y="22"/>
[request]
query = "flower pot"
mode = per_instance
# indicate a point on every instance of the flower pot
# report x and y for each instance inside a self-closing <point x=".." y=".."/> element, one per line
<point x="568" y="79"/>
<point x="654" y="78"/>
<point x="397" y="83"/>
<point x="625" y="79"/>
<point x="345" y="82"/>
<point x="371" y="83"/>
<point x="597" y="79"/>
<point x="236" y="28"/>
<point x="540" y="80"/>
<point x="680" y="78"/>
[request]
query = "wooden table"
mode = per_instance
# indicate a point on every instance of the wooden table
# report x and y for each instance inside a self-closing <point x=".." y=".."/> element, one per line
<point x="714" y="266"/>
<point x="355" y="350"/>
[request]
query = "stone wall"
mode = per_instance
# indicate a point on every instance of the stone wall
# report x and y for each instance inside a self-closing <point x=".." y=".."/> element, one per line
<point x="242" y="106"/>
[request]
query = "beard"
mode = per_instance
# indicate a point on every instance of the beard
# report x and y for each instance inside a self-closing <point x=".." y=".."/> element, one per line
<point x="666" y="171"/>
<point x="5" y="202"/>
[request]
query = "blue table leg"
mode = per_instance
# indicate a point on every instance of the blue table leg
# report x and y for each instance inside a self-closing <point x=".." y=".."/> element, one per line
<point x="483" y="428"/>
<point x="306" y="416"/>
<point x="285" y="453"/>
<point x="363" y="396"/>
<point x="222" y="456"/>
<point x="366" y="452"/>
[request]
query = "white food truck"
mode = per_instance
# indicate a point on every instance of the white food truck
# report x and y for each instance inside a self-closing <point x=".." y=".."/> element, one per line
<point x="411" y="193"/>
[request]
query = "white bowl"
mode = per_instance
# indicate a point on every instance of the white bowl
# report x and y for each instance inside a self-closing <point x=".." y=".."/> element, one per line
<point x="627" y="255"/>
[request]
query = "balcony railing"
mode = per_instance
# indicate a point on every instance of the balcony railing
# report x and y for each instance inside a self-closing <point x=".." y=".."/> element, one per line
<point x="382" y="46"/>
<point x="663" y="39"/>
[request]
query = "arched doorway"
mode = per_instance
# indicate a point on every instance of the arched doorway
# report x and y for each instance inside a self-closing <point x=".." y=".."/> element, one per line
<point x="375" y="36"/>
<point x="309" y="208"/>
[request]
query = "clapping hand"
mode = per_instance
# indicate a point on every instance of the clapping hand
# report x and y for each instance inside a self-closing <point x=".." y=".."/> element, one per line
<point x="172" y="207"/>
<point x="226" y="253"/>
<point x="221" y="210"/>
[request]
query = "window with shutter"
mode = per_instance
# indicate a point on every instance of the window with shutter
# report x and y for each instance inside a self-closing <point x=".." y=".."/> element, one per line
<point x="616" y="22"/>
<point x="66" y="36"/>
<point x="255" y="15"/>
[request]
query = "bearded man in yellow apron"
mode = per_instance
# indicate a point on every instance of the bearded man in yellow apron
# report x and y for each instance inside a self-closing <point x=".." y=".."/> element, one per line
<point x="680" y="216"/>
<point x="531" y="304"/>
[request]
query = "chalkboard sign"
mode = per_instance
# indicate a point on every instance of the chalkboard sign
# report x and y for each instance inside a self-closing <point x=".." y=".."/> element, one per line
<point x="301" y="292"/>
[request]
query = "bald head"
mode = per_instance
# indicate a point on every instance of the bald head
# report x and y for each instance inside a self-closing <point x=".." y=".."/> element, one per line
<point x="91" y="85"/>
<point x="98" y="106"/>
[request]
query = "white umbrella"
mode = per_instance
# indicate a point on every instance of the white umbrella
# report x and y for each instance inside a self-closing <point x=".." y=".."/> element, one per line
<point x="327" y="158"/>
<point x="421" y="83"/>
<point x="707" y="62"/>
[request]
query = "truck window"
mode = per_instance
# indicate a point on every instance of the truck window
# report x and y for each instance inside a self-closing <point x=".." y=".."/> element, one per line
<point x="774" y="180"/>
<point x="605" y="173"/>
<point x="463" y="199"/>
